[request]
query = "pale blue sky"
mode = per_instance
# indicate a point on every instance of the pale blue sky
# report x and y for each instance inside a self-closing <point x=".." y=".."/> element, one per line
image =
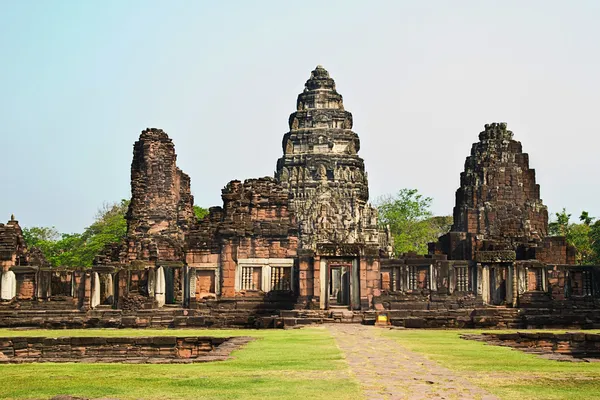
<point x="79" y="80"/>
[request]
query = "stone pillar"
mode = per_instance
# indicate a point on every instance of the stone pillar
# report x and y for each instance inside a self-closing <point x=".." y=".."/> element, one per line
<point x="95" y="298"/>
<point x="159" y="289"/>
<point x="485" y="284"/>
<point x="478" y="279"/>
<point x="86" y="293"/>
<point x="192" y="275"/>
<point x="321" y="283"/>
<point x="8" y="285"/>
<point x="355" y="286"/>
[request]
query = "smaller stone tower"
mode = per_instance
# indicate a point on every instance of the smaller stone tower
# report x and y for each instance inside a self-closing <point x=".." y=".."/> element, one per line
<point x="498" y="208"/>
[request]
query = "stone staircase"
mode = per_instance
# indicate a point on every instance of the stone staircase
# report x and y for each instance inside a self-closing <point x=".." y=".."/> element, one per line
<point x="336" y="314"/>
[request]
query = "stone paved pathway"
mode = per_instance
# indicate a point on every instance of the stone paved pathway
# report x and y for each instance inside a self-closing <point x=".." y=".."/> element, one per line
<point x="386" y="370"/>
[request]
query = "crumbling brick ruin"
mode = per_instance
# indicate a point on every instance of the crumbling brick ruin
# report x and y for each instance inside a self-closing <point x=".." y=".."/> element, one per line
<point x="161" y="207"/>
<point x="305" y="246"/>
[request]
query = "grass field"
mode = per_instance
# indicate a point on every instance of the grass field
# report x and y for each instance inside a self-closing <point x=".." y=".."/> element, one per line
<point x="291" y="364"/>
<point x="507" y="373"/>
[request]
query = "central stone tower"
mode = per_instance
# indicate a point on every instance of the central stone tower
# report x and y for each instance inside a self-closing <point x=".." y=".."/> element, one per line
<point x="322" y="170"/>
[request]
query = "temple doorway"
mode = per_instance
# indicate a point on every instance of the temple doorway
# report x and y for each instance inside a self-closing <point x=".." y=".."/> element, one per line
<point x="170" y="285"/>
<point x="498" y="277"/>
<point x="339" y="284"/>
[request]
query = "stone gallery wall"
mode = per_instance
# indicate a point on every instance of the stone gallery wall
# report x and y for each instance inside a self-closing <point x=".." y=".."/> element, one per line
<point x="255" y="223"/>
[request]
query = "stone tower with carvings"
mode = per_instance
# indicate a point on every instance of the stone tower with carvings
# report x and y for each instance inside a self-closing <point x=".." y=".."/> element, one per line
<point x="322" y="170"/>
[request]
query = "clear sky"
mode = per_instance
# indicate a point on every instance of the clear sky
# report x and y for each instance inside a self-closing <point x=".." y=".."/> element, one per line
<point x="79" y="81"/>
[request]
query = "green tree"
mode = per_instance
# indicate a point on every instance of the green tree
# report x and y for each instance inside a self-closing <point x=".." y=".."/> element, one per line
<point x="441" y="224"/>
<point x="560" y="226"/>
<point x="79" y="249"/>
<point x="582" y="236"/>
<point x="410" y="219"/>
<point x="200" y="212"/>
<point x="595" y="242"/>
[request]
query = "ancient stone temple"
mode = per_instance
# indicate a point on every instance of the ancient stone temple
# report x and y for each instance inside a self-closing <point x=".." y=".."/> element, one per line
<point x="304" y="246"/>
<point x="339" y="236"/>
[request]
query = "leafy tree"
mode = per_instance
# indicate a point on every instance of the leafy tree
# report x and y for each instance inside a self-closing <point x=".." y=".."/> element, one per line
<point x="584" y="236"/>
<point x="441" y="224"/>
<point x="411" y="221"/>
<point x="595" y="242"/>
<point x="42" y="238"/>
<point x="79" y="250"/>
<point x="35" y="235"/>
<point x="200" y="212"/>
<point x="560" y="226"/>
<point x="585" y="218"/>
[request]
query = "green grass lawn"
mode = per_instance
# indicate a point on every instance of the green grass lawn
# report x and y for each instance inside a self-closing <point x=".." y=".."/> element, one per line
<point x="507" y="373"/>
<point x="290" y="364"/>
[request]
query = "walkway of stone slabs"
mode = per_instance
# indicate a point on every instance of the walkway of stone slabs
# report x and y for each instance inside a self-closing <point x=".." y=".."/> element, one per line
<point x="386" y="370"/>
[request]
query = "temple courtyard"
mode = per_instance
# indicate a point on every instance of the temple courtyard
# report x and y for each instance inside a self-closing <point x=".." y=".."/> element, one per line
<point x="332" y="361"/>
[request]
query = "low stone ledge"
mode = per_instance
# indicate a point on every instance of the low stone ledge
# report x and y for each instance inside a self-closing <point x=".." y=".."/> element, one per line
<point x="130" y="350"/>
<point x="569" y="346"/>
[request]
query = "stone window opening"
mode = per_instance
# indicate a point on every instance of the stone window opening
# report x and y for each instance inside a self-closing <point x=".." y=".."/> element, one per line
<point x="418" y="277"/>
<point x="251" y="278"/>
<point x="61" y="284"/>
<point x="390" y="279"/>
<point x="461" y="274"/>
<point x="138" y="282"/>
<point x="581" y="283"/>
<point x="535" y="279"/>
<point x="264" y="274"/>
<point x="281" y="278"/>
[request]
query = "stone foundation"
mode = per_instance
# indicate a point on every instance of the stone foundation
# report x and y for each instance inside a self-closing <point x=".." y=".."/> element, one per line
<point x="153" y="350"/>
<point x="570" y="346"/>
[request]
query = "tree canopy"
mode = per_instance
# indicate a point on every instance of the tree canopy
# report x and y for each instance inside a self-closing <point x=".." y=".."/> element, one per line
<point x="200" y="212"/>
<point x="79" y="249"/>
<point x="411" y="221"/>
<point x="584" y="236"/>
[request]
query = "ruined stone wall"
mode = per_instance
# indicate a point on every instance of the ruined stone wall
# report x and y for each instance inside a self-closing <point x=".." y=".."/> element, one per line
<point x="254" y="223"/>
<point x="555" y="250"/>
<point x="12" y="244"/>
<point x="14" y="250"/>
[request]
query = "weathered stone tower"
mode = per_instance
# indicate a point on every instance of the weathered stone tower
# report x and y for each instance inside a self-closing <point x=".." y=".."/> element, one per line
<point x="498" y="196"/>
<point x="322" y="170"/>
<point x="161" y="208"/>
<point x="338" y="256"/>
<point x="498" y="209"/>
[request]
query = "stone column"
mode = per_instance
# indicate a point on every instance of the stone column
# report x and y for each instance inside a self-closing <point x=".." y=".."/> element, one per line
<point x="485" y="284"/>
<point x="8" y="285"/>
<point x="322" y="284"/>
<point x="159" y="289"/>
<point x="95" y="298"/>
